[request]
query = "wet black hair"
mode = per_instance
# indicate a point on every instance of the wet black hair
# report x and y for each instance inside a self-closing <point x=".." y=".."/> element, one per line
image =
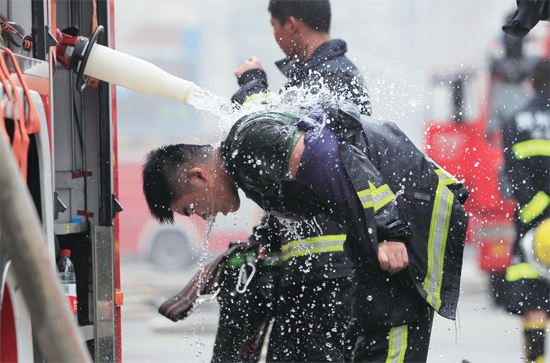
<point x="541" y="76"/>
<point x="315" y="13"/>
<point x="165" y="178"/>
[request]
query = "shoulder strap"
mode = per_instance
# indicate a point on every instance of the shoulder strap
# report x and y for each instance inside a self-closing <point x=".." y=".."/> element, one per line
<point x="203" y="282"/>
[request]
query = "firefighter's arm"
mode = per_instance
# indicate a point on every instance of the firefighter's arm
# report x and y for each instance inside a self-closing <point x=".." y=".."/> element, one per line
<point x="252" y="81"/>
<point x="250" y="63"/>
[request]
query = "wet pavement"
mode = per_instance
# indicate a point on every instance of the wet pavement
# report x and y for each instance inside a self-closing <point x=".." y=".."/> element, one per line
<point x="482" y="332"/>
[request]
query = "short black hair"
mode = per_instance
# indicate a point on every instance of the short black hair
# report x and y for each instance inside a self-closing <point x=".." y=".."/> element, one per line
<point x="541" y="76"/>
<point x="165" y="178"/>
<point x="315" y="13"/>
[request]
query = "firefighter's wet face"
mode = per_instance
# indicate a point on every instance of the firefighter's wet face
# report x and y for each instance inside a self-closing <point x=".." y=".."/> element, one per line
<point x="210" y="193"/>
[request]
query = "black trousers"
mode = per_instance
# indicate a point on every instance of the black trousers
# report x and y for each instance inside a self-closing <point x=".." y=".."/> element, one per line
<point x="403" y="343"/>
<point x="390" y="322"/>
<point x="311" y="322"/>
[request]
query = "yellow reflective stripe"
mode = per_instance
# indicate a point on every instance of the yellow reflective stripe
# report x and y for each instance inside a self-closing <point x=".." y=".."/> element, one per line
<point x="326" y="238"/>
<point x="397" y="344"/>
<point x="314" y="245"/>
<point x="530" y="148"/>
<point x="266" y="97"/>
<point x="365" y="196"/>
<point x="376" y="197"/>
<point x="381" y="196"/>
<point x="446" y="177"/>
<point x="520" y="271"/>
<point x="313" y="251"/>
<point x="534" y="208"/>
<point x="534" y="325"/>
<point x="437" y="242"/>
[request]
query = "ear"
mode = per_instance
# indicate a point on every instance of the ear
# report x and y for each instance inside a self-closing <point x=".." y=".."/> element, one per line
<point x="198" y="176"/>
<point x="294" y="25"/>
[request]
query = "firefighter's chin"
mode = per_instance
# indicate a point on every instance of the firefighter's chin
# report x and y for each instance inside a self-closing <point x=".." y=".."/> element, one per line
<point x="232" y="207"/>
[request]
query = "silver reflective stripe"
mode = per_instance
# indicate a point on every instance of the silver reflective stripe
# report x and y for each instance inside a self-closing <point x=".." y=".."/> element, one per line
<point x="272" y="260"/>
<point x="437" y="242"/>
<point x="366" y="198"/>
<point x="397" y="344"/>
<point x="314" y="245"/>
<point x="376" y="197"/>
<point x="446" y="177"/>
<point x="382" y="196"/>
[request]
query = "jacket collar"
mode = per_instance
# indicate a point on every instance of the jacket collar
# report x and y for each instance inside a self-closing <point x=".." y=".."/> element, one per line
<point x="326" y="51"/>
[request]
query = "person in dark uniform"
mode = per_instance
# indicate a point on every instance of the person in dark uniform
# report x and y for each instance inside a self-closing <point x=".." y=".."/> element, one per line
<point x="404" y="217"/>
<point x="526" y="136"/>
<point x="314" y="61"/>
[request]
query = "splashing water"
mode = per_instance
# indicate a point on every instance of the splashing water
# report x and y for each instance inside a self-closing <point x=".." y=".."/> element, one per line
<point x="206" y="242"/>
<point x="292" y="100"/>
<point x="208" y="228"/>
<point x="205" y="100"/>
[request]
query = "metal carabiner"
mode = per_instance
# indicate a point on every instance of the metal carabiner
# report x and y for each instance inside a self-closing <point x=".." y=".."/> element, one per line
<point x="242" y="271"/>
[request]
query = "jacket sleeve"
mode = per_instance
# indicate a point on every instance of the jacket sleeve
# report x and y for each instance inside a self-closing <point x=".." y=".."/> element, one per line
<point x="350" y="86"/>
<point x="252" y="82"/>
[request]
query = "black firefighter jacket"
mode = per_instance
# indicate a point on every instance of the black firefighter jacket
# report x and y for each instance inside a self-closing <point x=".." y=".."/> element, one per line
<point x="428" y="198"/>
<point x="387" y="172"/>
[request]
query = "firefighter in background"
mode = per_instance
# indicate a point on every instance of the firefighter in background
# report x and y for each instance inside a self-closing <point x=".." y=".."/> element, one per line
<point x="314" y="61"/>
<point x="527" y="171"/>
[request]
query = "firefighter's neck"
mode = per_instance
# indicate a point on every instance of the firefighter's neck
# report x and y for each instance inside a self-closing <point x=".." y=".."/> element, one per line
<point x="308" y="41"/>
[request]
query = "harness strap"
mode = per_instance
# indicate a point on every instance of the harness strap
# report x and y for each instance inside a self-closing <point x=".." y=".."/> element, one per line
<point x="203" y="282"/>
<point x="179" y="306"/>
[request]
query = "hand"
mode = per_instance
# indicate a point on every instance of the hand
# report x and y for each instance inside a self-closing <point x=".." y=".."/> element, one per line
<point x="392" y="256"/>
<point x="250" y="63"/>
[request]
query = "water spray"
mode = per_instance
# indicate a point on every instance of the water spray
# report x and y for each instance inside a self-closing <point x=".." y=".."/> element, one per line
<point x="88" y="59"/>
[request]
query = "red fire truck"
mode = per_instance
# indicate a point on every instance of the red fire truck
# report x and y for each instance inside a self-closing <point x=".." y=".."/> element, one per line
<point x="464" y="136"/>
<point x="62" y="130"/>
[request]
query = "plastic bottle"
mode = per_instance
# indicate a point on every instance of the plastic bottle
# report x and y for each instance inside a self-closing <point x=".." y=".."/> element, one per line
<point x="68" y="278"/>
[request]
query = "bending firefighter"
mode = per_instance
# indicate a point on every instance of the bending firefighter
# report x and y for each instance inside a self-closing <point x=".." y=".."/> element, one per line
<point x="404" y="216"/>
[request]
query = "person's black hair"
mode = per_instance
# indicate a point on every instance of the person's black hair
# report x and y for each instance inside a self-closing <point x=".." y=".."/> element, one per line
<point x="165" y="178"/>
<point x="315" y="13"/>
<point x="541" y="76"/>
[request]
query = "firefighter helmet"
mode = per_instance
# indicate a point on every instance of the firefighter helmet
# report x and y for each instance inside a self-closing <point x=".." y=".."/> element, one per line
<point x="535" y="246"/>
